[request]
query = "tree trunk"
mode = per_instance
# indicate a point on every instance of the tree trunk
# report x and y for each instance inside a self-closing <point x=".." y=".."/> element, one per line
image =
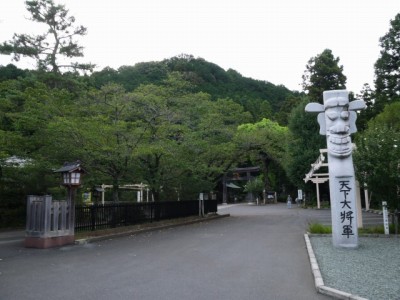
<point x="115" y="191"/>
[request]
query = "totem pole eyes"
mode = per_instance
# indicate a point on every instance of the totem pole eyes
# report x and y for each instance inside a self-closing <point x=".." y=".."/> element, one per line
<point x="333" y="115"/>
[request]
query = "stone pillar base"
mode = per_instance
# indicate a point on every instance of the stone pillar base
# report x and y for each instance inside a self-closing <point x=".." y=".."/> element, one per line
<point x="49" y="242"/>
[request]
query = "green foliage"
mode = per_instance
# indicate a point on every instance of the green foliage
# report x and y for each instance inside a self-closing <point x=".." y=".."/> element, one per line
<point x="368" y="95"/>
<point x="256" y="186"/>
<point x="303" y="144"/>
<point x="389" y="117"/>
<point x="57" y="42"/>
<point x="317" y="228"/>
<point x="323" y="73"/>
<point x="18" y="178"/>
<point x="261" y="99"/>
<point x="377" y="157"/>
<point x="265" y="136"/>
<point x="387" y="67"/>
<point x="11" y="72"/>
<point x="263" y="144"/>
<point x="164" y="135"/>
<point x="379" y="229"/>
<point x="282" y="117"/>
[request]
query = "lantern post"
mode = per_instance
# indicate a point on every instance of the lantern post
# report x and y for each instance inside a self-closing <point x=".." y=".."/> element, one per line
<point x="71" y="175"/>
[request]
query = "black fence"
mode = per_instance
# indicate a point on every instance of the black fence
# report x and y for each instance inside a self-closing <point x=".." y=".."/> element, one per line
<point x="97" y="216"/>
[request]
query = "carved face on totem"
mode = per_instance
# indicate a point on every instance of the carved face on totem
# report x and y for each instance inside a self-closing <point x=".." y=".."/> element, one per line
<point x="337" y="120"/>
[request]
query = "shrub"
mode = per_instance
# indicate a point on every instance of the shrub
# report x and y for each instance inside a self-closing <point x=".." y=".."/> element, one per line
<point x="319" y="228"/>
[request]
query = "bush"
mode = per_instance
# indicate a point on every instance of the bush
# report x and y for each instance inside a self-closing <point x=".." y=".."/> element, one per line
<point x="380" y="229"/>
<point x="319" y="228"/>
<point x="12" y="217"/>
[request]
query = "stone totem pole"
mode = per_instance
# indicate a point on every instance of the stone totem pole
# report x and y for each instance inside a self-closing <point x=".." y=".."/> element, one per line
<point x="337" y="119"/>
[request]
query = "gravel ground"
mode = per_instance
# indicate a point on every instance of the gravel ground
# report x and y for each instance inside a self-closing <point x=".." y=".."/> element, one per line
<point x="372" y="271"/>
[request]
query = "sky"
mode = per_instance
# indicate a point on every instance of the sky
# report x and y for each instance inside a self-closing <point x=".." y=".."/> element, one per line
<point x="269" y="40"/>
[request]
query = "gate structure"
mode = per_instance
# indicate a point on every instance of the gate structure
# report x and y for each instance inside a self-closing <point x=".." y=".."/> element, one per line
<point x="237" y="175"/>
<point x="49" y="223"/>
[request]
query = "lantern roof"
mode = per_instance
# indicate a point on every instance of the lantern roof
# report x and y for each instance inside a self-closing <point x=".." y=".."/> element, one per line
<point x="71" y="167"/>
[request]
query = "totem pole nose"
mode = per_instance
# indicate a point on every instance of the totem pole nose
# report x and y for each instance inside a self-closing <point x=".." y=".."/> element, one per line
<point x="340" y="128"/>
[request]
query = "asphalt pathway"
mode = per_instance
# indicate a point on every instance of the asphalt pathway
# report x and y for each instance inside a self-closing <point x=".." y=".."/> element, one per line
<point x="257" y="253"/>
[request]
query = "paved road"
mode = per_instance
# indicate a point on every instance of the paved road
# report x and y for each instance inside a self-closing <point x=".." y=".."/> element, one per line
<point x="257" y="253"/>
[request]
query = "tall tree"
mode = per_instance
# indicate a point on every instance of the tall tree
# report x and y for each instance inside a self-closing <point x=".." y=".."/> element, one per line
<point x="387" y="67"/>
<point x="48" y="48"/>
<point x="286" y="107"/>
<point x="101" y="131"/>
<point x="377" y="158"/>
<point x="11" y="72"/>
<point x="368" y="95"/>
<point x="323" y="73"/>
<point x="264" y="143"/>
<point x="188" y="141"/>
<point x="303" y="145"/>
<point x="26" y="109"/>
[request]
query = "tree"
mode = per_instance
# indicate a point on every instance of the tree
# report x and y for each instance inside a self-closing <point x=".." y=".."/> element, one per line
<point x="166" y="136"/>
<point x="102" y="132"/>
<point x="47" y="48"/>
<point x="258" y="108"/>
<point x="387" y="67"/>
<point x="303" y="145"/>
<point x="263" y="143"/>
<point x="188" y="141"/>
<point x="217" y="149"/>
<point x="26" y="108"/>
<point x="323" y="73"/>
<point x="11" y="72"/>
<point x="286" y="107"/>
<point x="377" y="157"/>
<point x="255" y="186"/>
<point x="368" y="95"/>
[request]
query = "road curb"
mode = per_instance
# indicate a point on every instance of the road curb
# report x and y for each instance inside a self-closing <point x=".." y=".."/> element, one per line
<point x="319" y="282"/>
<point x="143" y="230"/>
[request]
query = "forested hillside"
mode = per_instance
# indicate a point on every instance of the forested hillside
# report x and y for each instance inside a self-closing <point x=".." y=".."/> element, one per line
<point x="261" y="98"/>
<point x="166" y="131"/>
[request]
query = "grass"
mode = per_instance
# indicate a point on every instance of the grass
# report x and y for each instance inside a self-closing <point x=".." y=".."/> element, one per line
<point x="318" y="228"/>
<point x="377" y="229"/>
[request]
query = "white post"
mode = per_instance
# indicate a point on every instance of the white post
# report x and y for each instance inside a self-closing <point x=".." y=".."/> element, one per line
<point x="385" y="217"/>
<point x="359" y="207"/>
<point x="366" y="198"/>
<point x="337" y="121"/>
<point x="103" y="191"/>
<point x="201" y="205"/>
<point x="318" y="200"/>
<point x="141" y="192"/>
